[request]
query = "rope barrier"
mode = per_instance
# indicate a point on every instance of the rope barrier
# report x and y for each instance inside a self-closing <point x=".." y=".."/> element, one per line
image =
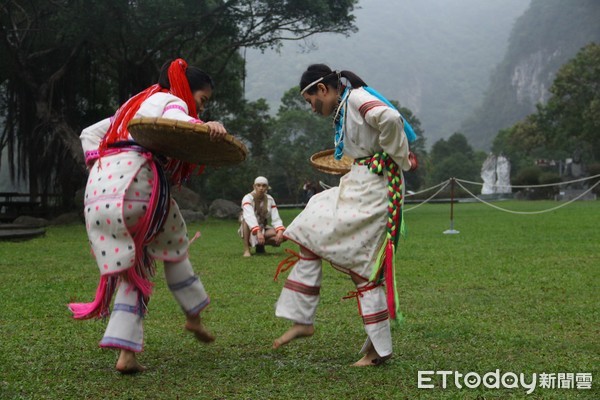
<point x="442" y="185"/>
<point x="446" y="183"/>
<point x="531" y="186"/>
<point x="429" y="188"/>
<point x="527" y="212"/>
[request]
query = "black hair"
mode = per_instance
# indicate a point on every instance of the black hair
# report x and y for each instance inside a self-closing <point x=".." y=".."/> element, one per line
<point x="197" y="79"/>
<point x="330" y="78"/>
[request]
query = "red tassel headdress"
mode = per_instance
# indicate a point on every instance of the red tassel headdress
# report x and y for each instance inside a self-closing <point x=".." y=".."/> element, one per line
<point x="180" y="87"/>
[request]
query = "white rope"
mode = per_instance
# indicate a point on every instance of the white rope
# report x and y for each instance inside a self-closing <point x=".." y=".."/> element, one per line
<point x="431" y="197"/>
<point x="531" y="186"/>
<point x="428" y="189"/>
<point x="324" y="185"/>
<point x="528" y="212"/>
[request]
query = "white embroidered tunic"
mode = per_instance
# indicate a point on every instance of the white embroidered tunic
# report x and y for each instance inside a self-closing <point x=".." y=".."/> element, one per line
<point x="249" y="213"/>
<point x="118" y="192"/>
<point x="346" y="224"/>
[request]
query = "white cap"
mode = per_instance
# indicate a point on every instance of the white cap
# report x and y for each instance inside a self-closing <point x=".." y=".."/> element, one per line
<point x="261" y="179"/>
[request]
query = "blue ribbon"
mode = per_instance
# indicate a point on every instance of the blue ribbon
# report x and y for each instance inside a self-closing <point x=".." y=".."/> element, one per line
<point x="339" y="127"/>
<point x="410" y="133"/>
<point x="339" y="121"/>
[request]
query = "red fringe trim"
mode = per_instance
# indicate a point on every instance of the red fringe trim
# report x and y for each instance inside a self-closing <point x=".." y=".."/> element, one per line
<point x="100" y="306"/>
<point x="389" y="282"/>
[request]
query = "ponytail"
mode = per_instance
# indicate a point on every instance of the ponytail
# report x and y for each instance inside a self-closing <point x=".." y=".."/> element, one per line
<point x="321" y="73"/>
<point x="355" y="80"/>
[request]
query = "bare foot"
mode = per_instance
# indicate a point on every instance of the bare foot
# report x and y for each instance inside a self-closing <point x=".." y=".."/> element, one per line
<point x="194" y="325"/>
<point x="371" y="359"/>
<point x="128" y="364"/>
<point x="295" y="332"/>
<point x="247" y="254"/>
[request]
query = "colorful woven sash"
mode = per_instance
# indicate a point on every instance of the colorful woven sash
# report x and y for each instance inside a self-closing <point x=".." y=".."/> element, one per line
<point x="379" y="164"/>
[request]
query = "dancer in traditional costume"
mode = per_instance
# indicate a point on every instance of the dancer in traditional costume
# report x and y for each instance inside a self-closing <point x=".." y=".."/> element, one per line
<point x="132" y="219"/>
<point x="258" y="207"/>
<point x="354" y="226"/>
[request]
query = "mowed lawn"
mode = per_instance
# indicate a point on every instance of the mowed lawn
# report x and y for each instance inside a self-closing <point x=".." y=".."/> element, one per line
<point x="518" y="293"/>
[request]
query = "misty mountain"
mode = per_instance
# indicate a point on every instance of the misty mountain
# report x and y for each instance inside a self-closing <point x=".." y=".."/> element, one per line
<point x="548" y="34"/>
<point x="433" y="56"/>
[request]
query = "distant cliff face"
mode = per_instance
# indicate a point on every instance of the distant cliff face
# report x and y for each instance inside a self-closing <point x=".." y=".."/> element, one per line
<point x="548" y="34"/>
<point x="530" y="78"/>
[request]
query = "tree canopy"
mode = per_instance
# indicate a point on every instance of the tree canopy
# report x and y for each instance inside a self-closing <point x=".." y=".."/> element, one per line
<point x="453" y="158"/>
<point x="571" y="118"/>
<point x="68" y="63"/>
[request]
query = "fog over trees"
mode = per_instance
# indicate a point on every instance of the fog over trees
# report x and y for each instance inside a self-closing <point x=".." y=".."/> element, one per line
<point x="434" y="57"/>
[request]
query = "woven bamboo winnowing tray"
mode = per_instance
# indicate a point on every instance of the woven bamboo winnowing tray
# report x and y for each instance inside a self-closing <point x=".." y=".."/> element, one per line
<point x="186" y="141"/>
<point x="325" y="162"/>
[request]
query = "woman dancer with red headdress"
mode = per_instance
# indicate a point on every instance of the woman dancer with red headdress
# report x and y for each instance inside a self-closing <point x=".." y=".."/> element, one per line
<point x="131" y="218"/>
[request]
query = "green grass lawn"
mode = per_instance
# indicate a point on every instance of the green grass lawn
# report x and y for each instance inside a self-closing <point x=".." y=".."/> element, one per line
<point x="518" y="293"/>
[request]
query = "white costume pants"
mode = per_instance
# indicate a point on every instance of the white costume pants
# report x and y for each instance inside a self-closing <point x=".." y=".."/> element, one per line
<point x="373" y="309"/>
<point x="301" y="292"/>
<point x="125" y="328"/>
<point x="300" y="297"/>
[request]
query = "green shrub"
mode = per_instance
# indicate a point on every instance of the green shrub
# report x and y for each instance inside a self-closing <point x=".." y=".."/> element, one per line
<point x="528" y="176"/>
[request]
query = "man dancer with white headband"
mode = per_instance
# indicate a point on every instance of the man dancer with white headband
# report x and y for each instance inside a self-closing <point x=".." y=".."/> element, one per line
<point x="354" y="226"/>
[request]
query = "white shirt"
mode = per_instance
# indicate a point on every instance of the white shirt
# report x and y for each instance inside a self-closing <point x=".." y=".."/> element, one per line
<point x="164" y="105"/>
<point x="372" y="126"/>
<point x="249" y="215"/>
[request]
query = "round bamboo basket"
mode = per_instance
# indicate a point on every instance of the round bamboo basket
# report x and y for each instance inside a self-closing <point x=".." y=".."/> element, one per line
<point x="325" y="162"/>
<point x="186" y="141"/>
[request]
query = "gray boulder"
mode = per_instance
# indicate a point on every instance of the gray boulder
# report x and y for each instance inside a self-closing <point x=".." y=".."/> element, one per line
<point x="187" y="199"/>
<point x="224" y="209"/>
<point x="30" y="221"/>
<point x="192" y="216"/>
